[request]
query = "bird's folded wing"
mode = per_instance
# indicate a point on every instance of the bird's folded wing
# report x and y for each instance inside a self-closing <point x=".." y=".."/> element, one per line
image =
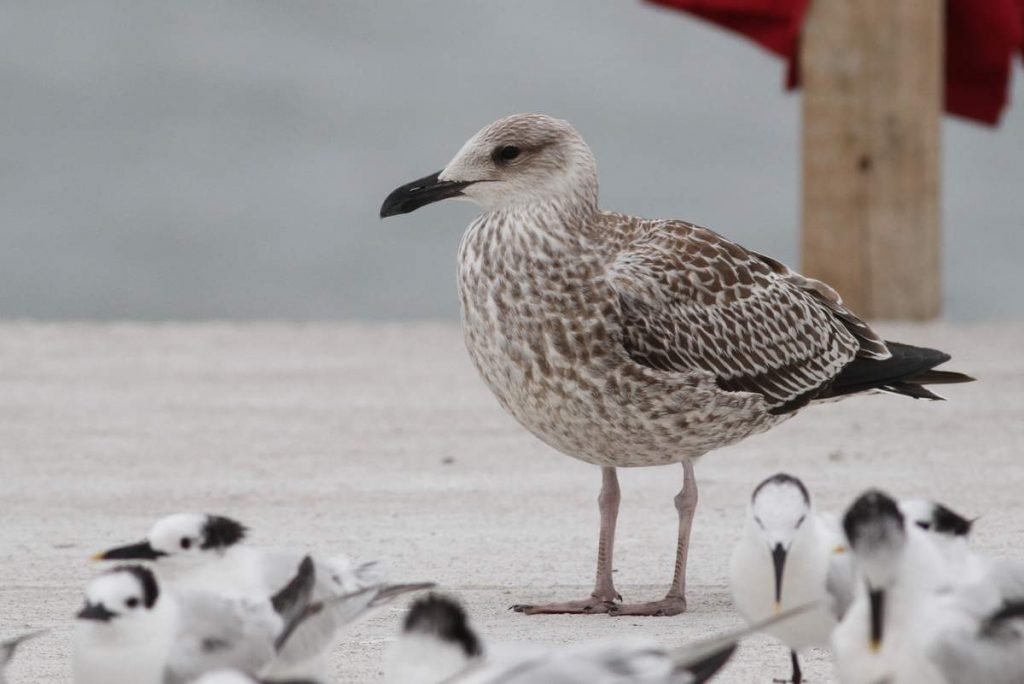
<point x="215" y="632"/>
<point x="991" y="651"/>
<point x="691" y="300"/>
<point x="619" y="660"/>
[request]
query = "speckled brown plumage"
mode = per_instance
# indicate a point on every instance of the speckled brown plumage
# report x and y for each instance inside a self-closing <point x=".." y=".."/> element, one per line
<point x="624" y="341"/>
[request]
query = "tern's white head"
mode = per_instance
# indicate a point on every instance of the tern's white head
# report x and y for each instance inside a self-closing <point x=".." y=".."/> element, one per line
<point x="877" y="535"/>
<point x="123" y="599"/>
<point x="779" y="509"/>
<point x="933" y="517"/>
<point x="436" y="643"/>
<point x="520" y="160"/>
<point x="182" y="541"/>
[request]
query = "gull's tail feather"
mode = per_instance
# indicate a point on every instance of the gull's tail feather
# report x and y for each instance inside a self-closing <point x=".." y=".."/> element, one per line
<point x="905" y="372"/>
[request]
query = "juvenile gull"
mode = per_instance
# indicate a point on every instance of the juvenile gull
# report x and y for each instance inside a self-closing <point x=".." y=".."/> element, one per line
<point x="624" y="341"/>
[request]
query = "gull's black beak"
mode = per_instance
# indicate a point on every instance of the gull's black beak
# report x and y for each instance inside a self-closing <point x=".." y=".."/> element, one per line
<point x="422" y="192"/>
<point x="877" y="601"/>
<point x="95" y="611"/>
<point x="141" y="551"/>
<point x="779" y="561"/>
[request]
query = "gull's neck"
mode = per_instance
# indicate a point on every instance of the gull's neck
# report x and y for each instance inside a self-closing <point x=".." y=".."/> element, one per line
<point x="556" y="225"/>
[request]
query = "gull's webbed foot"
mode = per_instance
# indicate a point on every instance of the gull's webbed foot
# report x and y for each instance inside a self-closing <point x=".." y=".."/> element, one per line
<point x="593" y="605"/>
<point x="670" y="605"/>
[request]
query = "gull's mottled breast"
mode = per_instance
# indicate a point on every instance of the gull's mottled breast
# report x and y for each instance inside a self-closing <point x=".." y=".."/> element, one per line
<point x="542" y="325"/>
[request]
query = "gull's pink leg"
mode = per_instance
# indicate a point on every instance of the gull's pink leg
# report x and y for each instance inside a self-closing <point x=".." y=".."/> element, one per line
<point x="674" y="602"/>
<point x="604" y="595"/>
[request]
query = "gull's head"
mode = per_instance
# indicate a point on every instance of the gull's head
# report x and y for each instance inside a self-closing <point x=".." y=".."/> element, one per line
<point x="436" y="642"/>
<point x="877" y="536"/>
<point x="933" y="517"/>
<point x="122" y="597"/>
<point x="779" y="508"/>
<point x="182" y="539"/>
<point x="519" y="160"/>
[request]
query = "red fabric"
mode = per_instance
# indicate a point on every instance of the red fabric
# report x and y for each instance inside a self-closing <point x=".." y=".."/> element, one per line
<point x="981" y="38"/>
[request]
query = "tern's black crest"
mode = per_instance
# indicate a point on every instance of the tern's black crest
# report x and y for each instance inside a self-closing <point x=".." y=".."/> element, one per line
<point x="782" y="479"/>
<point x="443" y="616"/>
<point x="948" y="521"/>
<point x="220" y="532"/>
<point x="146" y="578"/>
<point x="871" y="507"/>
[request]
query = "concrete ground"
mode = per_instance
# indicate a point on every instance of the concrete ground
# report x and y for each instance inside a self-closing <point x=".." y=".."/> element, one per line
<point x="380" y="441"/>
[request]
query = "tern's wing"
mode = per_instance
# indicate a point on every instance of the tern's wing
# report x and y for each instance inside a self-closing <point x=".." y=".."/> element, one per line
<point x="992" y="651"/>
<point x="9" y="646"/>
<point x="332" y="615"/>
<point x="702" y="659"/>
<point x="215" y="632"/>
<point x="346" y="591"/>
<point x="839" y="579"/>
<point x="619" y="661"/>
<point x="1008" y="575"/>
<point x="238" y="677"/>
<point x="839" y="582"/>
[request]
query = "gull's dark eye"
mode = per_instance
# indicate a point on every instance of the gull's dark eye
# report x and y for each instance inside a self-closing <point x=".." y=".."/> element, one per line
<point x="132" y="602"/>
<point x="924" y="525"/>
<point x="186" y="542"/>
<point x="506" y="153"/>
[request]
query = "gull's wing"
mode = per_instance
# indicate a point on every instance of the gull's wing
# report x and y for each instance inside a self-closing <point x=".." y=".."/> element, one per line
<point x="691" y="300"/>
<point x="215" y="632"/>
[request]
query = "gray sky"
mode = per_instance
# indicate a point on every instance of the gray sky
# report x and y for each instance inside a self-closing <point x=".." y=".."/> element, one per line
<point x="227" y="159"/>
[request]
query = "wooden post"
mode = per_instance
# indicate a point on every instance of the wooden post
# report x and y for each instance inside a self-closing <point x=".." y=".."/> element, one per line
<point x="872" y="105"/>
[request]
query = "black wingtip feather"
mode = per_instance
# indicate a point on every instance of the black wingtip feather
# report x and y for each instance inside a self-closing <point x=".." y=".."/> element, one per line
<point x="707" y="668"/>
<point x="905" y="372"/>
